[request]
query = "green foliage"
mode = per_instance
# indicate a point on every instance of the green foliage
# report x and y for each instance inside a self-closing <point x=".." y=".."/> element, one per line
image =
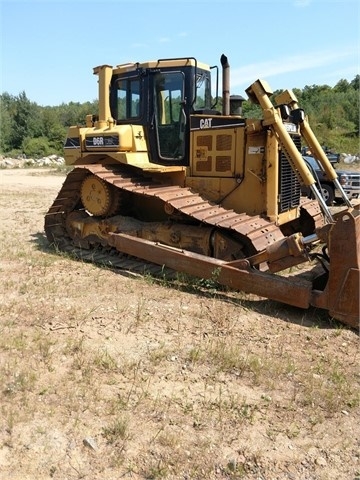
<point x="251" y="110"/>
<point x="333" y="113"/>
<point x="36" y="147"/>
<point x="5" y="122"/>
<point x="28" y="128"/>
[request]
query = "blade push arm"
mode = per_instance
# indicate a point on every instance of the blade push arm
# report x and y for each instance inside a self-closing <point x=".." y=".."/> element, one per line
<point x="288" y="98"/>
<point x="259" y="92"/>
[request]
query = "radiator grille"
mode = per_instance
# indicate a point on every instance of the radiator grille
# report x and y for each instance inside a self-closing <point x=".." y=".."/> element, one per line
<point x="204" y="165"/>
<point x="205" y="141"/>
<point x="289" y="186"/>
<point x="223" y="142"/>
<point x="214" y="154"/>
<point x="223" y="164"/>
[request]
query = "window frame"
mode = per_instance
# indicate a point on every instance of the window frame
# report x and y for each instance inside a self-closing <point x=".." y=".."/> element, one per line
<point x="129" y="91"/>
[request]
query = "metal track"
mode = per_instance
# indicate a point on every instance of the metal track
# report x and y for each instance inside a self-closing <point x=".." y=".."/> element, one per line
<point x="256" y="232"/>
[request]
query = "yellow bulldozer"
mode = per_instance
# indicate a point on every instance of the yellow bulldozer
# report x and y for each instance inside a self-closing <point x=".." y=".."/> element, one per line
<point x="162" y="178"/>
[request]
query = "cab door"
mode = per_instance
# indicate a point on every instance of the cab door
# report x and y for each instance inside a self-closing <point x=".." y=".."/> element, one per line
<point x="169" y="118"/>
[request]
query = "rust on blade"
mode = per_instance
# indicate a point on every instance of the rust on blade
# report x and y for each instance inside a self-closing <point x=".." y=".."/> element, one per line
<point x="343" y="286"/>
<point x="341" y="293"/>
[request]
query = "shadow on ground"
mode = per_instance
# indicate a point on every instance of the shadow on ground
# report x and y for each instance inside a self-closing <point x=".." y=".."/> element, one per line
<point x="309" y="318"/>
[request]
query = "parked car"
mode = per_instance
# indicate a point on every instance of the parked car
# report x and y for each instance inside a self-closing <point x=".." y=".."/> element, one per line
<point x="348" y="179"/>
<point x="333" y="157"/>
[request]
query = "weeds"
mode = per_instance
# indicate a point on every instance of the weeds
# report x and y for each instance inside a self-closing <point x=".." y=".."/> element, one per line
<point x="174" y="379"/>
<point x="19" y="381"/>
<point x="117" y="430"/>
<point x="330" y="390"/>
<point x="105" y="361"/>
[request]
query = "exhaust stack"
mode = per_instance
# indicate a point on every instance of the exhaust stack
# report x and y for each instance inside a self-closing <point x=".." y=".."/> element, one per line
<point x="104" y="72"/>
<point x="225" y="84"/>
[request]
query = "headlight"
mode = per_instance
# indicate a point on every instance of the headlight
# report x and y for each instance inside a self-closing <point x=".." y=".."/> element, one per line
<point x="343" y="179"/>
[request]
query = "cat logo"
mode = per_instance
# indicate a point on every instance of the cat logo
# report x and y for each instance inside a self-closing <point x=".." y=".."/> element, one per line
<point x="205" y="123"/>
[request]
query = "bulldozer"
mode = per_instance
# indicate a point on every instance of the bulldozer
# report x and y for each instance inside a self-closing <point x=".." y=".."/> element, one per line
<point x="163" y="179"/>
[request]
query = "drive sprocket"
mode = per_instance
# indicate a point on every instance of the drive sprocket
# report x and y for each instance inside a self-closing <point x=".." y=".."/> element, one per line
<point x="98" y="197"/>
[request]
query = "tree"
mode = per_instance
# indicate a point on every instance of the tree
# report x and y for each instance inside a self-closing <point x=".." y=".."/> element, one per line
<point x="19" y="124"/>
<point x="26" y="127"/>
<point x="355" y="83"/>
<point x="52" y="129"/>
<point x="5" y="121"/>
<point x="36" y="147"/>
<point x="342" y="86"/>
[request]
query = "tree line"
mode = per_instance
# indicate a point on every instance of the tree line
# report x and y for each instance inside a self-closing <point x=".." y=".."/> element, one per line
<point x="27" y="128"/>
<point x="30" y="129"/>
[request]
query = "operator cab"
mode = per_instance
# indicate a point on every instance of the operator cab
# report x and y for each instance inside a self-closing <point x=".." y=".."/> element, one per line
<point x="160" y="96"/>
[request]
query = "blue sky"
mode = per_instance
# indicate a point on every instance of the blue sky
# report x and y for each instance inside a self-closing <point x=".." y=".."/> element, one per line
<point x="49" y="48"/>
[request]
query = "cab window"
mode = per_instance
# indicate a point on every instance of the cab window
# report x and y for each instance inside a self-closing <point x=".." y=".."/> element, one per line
<point x="168" y="97"/>
<point x="169" y="114"/>
<point x="203" y="93"/>
<point x="128" y="99"/>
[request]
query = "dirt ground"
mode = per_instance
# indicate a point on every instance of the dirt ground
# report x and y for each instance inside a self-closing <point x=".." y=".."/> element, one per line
<point x="105" y="375"/>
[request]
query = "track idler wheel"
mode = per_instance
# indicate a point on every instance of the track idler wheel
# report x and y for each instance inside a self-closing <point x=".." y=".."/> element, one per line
<point x="98" y="197"/>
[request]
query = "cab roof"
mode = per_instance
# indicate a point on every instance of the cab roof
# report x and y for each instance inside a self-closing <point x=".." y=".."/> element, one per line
<point x="161" y="63"/>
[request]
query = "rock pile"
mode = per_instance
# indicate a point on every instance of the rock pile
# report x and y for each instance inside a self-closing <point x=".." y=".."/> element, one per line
<point x="55" y="160"/>
<point x="24" y="162"/>
<point x="348" y="159"/>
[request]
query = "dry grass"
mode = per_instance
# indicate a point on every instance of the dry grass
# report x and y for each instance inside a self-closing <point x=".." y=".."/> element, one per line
<point x="167" y="381"/>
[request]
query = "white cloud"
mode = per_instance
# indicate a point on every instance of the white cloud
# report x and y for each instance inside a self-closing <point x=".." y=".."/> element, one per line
<point x="293" y="63"/>
<point x="164" y="40"/>
<point x="302" y="3"/>
<point x="139" y="45"/>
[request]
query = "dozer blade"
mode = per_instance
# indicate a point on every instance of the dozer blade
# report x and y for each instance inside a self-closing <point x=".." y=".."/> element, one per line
<point x="341" y="294"/>
<point x="242" y="277"/>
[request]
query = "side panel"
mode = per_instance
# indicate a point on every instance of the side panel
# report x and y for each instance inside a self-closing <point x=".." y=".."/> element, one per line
<point x="226" y="165"/>
<point x="213" y="153"/>
<point x="239" y="163"/>
<point x="213" y="145"/>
